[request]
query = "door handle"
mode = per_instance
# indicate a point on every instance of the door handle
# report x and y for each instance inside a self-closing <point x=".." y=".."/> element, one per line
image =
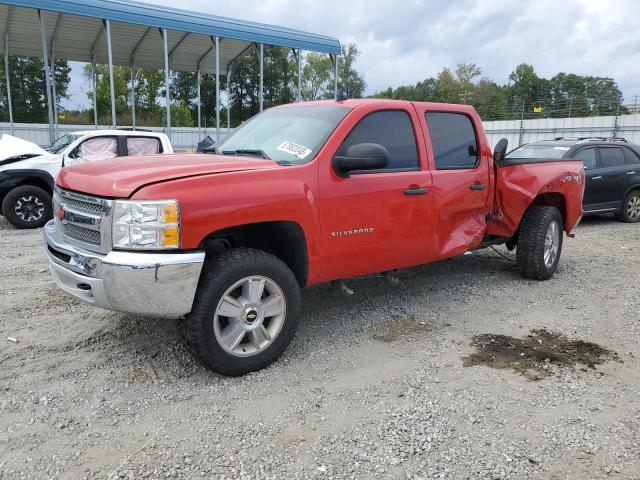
<point x="631" y="173"/>
<point x="596" y="178"/>
<point x="477" y="186"/>
<point x="416" y="191"/>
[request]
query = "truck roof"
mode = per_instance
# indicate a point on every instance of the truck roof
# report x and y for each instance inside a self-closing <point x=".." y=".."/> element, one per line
<point x="384" y="102"/>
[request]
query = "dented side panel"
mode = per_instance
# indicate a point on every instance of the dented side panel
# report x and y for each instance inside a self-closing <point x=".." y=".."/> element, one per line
<point x="560" y="184"/>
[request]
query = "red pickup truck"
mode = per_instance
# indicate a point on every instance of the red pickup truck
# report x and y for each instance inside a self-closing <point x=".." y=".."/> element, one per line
<point x="301" y="194"/>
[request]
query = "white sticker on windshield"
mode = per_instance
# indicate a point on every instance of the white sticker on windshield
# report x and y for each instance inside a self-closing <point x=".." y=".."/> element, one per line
<point x="561" y="148"/>
<point x="299" y="151"/>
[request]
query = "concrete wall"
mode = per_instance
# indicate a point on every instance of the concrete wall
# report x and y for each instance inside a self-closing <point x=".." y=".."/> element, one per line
<point x="628" y="127"/>
<point x="187" y="138"/>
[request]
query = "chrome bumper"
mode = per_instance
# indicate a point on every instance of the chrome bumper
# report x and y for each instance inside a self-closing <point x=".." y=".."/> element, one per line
<point x="155" y="284"/>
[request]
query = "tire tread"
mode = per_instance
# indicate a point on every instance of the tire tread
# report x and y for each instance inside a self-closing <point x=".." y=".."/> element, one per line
<point x="201" y="314"/>
<point x="530" y="250"/>
<point x="17" y="192"/>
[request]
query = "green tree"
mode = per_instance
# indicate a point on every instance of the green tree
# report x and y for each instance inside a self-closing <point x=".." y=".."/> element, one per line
<point x="102" y="94"/>
<point x="181" y="115"/>
<point x="529" y="89"/>
<point x="184" y="90"/>
<point x="149" y="87"/>
<point x="316" y="76"/>
<point x="568" y="96"/>
<point x="350" y="81"/>
<point x="466" y="73"/>
<point x="604" y="96"/>
<point x="28" y="88"/>
<point x="490" y="100"/>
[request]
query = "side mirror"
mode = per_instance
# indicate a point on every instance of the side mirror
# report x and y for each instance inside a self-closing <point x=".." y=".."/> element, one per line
<point x="363" y="156"/>
<point x="500" y="151"/>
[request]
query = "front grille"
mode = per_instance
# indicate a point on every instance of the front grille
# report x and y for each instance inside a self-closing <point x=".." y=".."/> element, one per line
<point x="81" y="234"/>
<point x="84" y="220"/>
<point x="83" y="206"/>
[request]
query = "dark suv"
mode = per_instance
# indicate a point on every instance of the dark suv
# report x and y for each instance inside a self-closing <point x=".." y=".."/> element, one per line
<point x="612" y="167"/>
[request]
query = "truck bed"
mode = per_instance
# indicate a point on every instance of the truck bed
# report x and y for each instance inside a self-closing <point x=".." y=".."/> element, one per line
<point x="521" y="183"/>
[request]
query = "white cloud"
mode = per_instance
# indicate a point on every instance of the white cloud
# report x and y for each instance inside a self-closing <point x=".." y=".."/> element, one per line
<point x="405" y="41"/>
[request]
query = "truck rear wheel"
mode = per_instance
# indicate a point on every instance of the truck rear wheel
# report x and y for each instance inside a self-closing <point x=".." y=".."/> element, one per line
<point x="27" y="207"/>
<point x="245" y="312"/>
<point x="539" y="242"/>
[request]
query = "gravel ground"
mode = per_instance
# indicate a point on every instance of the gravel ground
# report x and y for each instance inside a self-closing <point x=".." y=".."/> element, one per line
<point x="373" y="386"/>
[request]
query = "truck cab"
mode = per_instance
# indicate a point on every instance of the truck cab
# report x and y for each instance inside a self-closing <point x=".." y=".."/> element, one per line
<point x="300" y="194"/>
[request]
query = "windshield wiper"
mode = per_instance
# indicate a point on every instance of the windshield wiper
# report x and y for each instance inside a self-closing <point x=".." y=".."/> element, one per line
<point x="247" y="152"/>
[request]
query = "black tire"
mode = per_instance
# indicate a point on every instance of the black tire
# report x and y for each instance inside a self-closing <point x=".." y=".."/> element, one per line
<point x="530" y="254"/>
<point x="17" y="205"/>
<point x="219" y="274"/>
<point x="628" y="211"/>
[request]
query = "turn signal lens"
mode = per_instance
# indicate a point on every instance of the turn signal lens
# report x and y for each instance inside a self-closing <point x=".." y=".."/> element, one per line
<point x="170" y="213"/>
<point x="171" y="237"/>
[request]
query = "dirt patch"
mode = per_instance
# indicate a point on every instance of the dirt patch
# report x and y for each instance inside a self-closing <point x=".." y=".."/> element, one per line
<point x="401" y="326"/>
<point x="534" y="355"/>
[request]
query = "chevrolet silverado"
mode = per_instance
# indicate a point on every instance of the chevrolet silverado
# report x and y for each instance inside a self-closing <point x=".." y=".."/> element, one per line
<point x="301" y="194"/>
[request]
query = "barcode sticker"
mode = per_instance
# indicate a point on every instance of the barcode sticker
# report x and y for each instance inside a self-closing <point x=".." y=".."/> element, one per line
<point x="299" y="151"/>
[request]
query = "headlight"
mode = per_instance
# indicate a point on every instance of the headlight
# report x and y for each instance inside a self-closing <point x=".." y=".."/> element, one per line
<point x="146" y="224"/>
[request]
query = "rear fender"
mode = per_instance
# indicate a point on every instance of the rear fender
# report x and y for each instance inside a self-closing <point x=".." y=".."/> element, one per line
<point x="559" y="184"/>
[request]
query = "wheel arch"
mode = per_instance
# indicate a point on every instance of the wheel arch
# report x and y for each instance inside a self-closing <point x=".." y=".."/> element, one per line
<point x="547" y="199"/>
<point x="283" y="239"/>
<point x="551" y="199"/>
<point x="11" y="179"/>
<point x="634" y="187"/>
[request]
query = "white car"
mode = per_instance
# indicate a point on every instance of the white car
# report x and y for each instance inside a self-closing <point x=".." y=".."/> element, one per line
<point x="27" y="171"/>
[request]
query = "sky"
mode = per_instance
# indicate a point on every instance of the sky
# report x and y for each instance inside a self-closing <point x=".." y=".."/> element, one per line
<point x="405" y="41"/>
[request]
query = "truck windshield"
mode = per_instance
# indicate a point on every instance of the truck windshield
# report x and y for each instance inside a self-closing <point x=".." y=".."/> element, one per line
<point x="539" y="151"/>
<point x="288" y="135"/>
<point x="61" y="143"/>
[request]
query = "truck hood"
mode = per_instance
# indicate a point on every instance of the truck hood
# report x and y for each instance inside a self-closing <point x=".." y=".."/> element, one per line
<point x="14" y="149"/>
<point x="120" y="178"/>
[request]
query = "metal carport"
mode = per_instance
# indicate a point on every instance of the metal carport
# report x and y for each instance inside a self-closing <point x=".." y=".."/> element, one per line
<point x="135" y="34"/>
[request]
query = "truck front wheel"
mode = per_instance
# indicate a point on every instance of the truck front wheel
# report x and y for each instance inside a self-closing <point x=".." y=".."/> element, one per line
<point x="245" y="312"/>
<point x="539" y="242"/>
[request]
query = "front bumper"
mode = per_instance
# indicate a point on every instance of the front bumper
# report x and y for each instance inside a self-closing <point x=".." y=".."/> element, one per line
<point x="154" y="284"/>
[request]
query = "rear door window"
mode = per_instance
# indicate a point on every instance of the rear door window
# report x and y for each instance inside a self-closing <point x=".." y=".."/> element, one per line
<point x="453" y="139"/>
<point x="611" y="157"/>
<point x="631" y="156"/>
<point x="393" y="130"/>
<point x="143" y="145"/>
<point x="97" y="148"/>
<point x="588" y="157"/>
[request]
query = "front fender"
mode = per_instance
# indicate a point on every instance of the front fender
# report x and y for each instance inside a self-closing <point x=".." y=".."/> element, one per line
<point x="10" y="179"/>
<point x="210" y="203"/>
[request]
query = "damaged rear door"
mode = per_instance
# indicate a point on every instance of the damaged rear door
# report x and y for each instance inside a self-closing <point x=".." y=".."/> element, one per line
<point x="461" y="181"/>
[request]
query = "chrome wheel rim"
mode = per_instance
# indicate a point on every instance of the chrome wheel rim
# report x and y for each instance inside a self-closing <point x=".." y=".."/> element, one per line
<point x="551" y="244"/>
<point x="633" y="207"/>
<point x="249" y="316"/>
<point x="29" y="208"/>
